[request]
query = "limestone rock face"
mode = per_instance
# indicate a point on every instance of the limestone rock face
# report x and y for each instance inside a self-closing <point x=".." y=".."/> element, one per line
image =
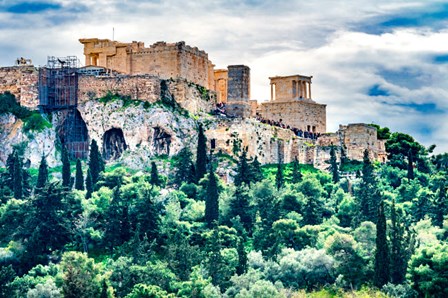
<point x="147" y="132"/>
<point x="37" y="143"/>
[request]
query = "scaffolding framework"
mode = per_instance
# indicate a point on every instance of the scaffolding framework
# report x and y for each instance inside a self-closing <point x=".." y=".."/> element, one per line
<point x="58" y="91"/>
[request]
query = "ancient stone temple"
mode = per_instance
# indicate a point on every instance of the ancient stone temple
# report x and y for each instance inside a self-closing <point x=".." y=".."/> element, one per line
<point x="291" y="104"/>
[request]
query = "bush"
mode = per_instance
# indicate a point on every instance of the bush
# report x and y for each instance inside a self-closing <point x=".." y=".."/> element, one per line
<point x="8" y="104"/>
<point x="35" y="122"/>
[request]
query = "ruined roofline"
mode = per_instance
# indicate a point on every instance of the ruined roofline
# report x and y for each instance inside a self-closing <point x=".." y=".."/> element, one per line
<point x="291" y="76"/>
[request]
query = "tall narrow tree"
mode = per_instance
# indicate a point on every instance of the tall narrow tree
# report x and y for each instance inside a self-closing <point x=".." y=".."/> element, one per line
<point x="96" y="163"/>
<point x="296" y="174"/>
<point x="256" y="174"/>
<point x="368" y="195"/>
<point x="79" y="179"/>
<point x="334" y="165"/>
<point x="89" y="185"/>
<point x="66" y="173"/>
<point x="201" y="156"/>
<point x="279" y="177"/>
<point x="410" y="165"/>
<point x="154" y="179"/>
<point x="398" y="260"/>
<point x="185" y="171"/>
<point x="382" y="262"/>
<point x="243" y="170"/>
<point x="239" y="206"/>
<point x="18" y="177"/>
<point x="42" y="176"/>
<point x="212" y="200"/>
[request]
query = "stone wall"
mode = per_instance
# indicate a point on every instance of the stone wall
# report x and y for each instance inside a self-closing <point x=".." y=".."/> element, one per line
<point x="269" y="143"/>
<point x="305" y="115"/>
<point x="143" y="87"/>
<point x="166" y="60"/>
<point x="221" y="81"/>
<point x="23" y="82"/>
<point x="238" y="91"/>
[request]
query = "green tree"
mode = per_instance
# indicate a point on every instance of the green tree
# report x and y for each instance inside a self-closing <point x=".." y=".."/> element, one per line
<point x="148" y="291"/>
<point x="81" y="276"/>
<point x="7" y="275"/>
<point x="212" y="199"/>
<point x="243" y="170"/>
<point x="89" y="185"/>
<point x="240" y="207"/>
<point x="440" y="202"/>
<point x="42" y="176"/>
<point x="256" y="174"/>
<point x="368" y="194"/>
<point x="18" y="177"/>
<point x="279" y="177"/>
<point x="428" y="271"/>
<point x="382" y="262"/>
<point x="66" y="174"/>
<point x="296" y="173"/>
<point x="398" y="253"/>
<point x="79" y="179"/>
<point x="334" y="164"/>
<point x="118" y="229"/>
<point x="184" y="167"/>
<point x="146" y="214"/>
<point x="201" y="155"/>
<point x="155" y="179"/>
<point x="403" y="151"/>
<point x="96" y="163"/>
<point x="312" y="211"/>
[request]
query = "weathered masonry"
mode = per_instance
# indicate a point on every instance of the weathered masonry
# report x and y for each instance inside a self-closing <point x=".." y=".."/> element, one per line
<point x="291" y="104"/>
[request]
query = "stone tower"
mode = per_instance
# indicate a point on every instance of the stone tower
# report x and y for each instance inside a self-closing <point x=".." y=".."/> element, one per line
<point x="238" y="91"/>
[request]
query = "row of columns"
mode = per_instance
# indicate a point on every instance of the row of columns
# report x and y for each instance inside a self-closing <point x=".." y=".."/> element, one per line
<point x="301" y="89"/>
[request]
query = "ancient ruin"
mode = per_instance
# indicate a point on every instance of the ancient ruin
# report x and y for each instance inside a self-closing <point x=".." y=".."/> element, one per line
<point x="137" y="99"/>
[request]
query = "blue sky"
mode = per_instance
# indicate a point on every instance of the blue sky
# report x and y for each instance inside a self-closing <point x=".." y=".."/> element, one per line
<point x="379" y="61"/>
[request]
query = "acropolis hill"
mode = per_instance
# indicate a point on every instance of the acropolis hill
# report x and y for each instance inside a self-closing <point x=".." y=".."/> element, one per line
<point x="138" y="102"/>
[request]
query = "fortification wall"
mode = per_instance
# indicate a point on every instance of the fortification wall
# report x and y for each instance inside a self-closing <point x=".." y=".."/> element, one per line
<point x="146" y="88"/>
<point x="23" y="82"/>
<point x="304" y="115"/>
<point x="166" y="60"/>
<point x="269" y="143"/>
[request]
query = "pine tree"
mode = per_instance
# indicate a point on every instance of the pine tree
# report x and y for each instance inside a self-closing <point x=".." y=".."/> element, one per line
<point x="147" y="216"/>
<point x="440" y="203"/>
<point x="398" y="259"/>
<point x="155" y="180"/>
<point x="296" y="174"/>
<point x="66" y="174"/>
<point x="18" y="177"/>
<point x="215" y="261"/>
<point x="42" y="177"/>
<point x="212" y="200"/>
<point x="79" y="179"/>
<point x="410" y="165"/>
<point x="382" y="262"/>
<point x="96" y="163"/>
<point x="242" y="257"/>
<point x="334" y="165"/>
<point x="279" y="177"/>
<point x="201" y="156"/>
<point x="118" y="225"/>
<point x="89" y="185"/>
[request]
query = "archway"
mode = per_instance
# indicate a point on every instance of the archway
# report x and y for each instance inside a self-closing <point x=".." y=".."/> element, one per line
<point x="161" y="141"/>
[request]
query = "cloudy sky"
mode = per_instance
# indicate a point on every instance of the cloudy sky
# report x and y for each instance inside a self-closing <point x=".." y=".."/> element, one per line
<point x="373" y="61"/>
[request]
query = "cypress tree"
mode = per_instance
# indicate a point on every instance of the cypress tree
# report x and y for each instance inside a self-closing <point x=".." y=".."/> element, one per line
<point x="42" y="177"/>
<point x="368" y="194"/>
<point x="410" y="165"/>
<point x="10" y="165"/>
<point x="242" y="257"/>
<point x="185" y="171"/>
<point x="79" y="179"/>
<point x="334" y="165"/>
<point x="147" y="215"/>
<point x="382" y="262"/>
<point x="201" y="156"/>
<point x="279" y="177"/>
<point x="239" y="206"/>
<point x="296" y="174"/>
<point x="440" y="204"/>
<point x="66" y="174"/>
<point x="155" y="180"/>
<point x="96" y="163"/>
<point x="398" y="260"/>
<point x="18" y="177"/>
<point x="89" y="185"/>
<point x="243" y="170"/>
<point x="212" y="200"/>
<point x="256" y="174"/>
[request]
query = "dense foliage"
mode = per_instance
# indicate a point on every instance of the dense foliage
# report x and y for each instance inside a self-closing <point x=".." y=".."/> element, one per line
<point x="272" y="231"/>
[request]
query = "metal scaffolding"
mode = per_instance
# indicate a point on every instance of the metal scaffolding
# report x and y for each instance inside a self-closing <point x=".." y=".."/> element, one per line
<point x="58" y="91"/>
<point x="58" y="83"/>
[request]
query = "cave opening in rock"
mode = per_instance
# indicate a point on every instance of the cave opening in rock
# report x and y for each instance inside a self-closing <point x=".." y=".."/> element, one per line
<point x="162" y="141"/>
<point x="73" y="134"/>
<point x="113" y="144"/>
